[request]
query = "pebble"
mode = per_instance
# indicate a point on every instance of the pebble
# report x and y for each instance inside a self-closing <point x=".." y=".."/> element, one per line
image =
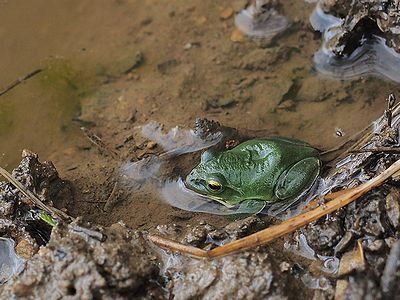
<point x="393" y="208"/>
<point x="237" y="36"/>
<point x="226" y="13"/>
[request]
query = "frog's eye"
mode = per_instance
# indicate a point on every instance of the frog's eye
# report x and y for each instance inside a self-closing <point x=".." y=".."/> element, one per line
<point x="214" y="185"/>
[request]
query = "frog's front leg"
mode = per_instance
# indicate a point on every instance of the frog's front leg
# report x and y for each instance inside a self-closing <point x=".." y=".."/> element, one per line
<point x="297" y="179"/>
<point x="251" y="207"/>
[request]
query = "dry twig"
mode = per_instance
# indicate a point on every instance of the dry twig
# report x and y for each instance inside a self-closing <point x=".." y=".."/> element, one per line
<point x="35" y="199"/>
<point x="288" y="226"/>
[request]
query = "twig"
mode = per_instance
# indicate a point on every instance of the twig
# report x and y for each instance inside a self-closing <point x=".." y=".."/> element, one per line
<point x="89" y="232"/>
<point x="98" y="142"/>
<point x="390" y="101"/>
<point x="378" y="150"/>
<point x="19" y="81"/>
<point x="110" y="202"/>
<point x="288" y="226"/>
<point x="35" y="199"/>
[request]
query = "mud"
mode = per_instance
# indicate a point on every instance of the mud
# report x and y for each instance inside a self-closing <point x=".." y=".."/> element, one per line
<point x="121" y="65"/>
<point x="88" y="263"/>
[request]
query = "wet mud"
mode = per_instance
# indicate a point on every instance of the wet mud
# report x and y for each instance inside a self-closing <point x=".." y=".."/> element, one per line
<point x="120" y="78"/>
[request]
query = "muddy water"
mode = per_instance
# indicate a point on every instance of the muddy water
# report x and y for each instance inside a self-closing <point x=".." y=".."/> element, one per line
<point x="78" y="45"/>
<point x="188" y="68"/>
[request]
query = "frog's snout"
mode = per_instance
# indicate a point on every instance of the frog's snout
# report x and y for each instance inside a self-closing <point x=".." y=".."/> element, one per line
<point x="192" y="181"/>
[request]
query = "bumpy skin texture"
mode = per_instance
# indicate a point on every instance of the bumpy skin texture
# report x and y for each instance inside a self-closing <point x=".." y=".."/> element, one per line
<point x="269" y="170"/>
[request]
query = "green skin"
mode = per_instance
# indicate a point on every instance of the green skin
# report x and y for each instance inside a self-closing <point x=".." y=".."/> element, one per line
<point x="257" y="171"/>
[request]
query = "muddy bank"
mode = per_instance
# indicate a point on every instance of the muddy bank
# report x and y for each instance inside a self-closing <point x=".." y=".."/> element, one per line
<point x="337" y="256"/>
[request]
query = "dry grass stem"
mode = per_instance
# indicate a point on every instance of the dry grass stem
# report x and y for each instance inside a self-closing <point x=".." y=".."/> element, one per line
<point x="288" y="226"/>
<point x="35" y="199"/>
<point x="19" y="81"/>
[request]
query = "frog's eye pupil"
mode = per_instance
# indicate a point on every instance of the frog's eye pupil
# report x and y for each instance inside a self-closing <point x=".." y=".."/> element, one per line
<point x="214" y="185"/>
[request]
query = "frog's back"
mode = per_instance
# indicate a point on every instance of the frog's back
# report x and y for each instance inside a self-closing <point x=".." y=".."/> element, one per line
<point x="261" y="148"/>
<point x="264" y="160"/>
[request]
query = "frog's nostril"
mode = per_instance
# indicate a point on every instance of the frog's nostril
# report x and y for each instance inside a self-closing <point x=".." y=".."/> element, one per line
<point x="193" y="181"/>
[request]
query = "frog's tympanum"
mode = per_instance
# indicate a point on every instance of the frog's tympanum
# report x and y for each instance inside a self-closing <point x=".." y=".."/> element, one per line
<point x="256" y="172"/>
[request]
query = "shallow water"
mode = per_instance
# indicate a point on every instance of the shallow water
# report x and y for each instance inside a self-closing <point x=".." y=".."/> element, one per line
<point x="57" y="37"/>
<point x="190" y="68"/>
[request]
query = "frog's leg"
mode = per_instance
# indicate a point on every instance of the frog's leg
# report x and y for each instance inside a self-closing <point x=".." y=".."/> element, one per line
<point x="250" y="207"/>
<point x="297" y="179"/>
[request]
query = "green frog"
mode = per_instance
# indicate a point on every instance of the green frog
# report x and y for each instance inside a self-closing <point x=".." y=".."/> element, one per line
<point x="256" y="172"/>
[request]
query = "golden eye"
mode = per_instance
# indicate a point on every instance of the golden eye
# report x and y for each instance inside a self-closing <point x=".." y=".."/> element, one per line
<point x="214" y="185"/>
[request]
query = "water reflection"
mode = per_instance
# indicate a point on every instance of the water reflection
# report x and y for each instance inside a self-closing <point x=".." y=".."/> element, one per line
<point x="371" y="57"/>
<point x="261" y="20"/>
<point x="10" y="263"/>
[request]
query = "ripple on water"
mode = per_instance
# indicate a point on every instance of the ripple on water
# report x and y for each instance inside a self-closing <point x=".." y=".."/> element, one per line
<point x="175" y="193"/>
<point x="10" y="263"/>
<point x="372" y="57"/>
<point x="177" y="141"/>
<point x="256" y="21"/>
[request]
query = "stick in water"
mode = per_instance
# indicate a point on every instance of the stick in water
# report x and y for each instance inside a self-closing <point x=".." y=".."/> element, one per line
<point x="19" y="81"/>
<point x="288" y="226"/>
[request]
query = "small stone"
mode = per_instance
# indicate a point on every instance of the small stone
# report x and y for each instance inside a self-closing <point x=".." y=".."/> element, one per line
<point x="191" y="45"/>
<point x="25" y="249"/>
<point x="237" y="36"/>
<point x="344" y="242"/>
<point x="226" y="13"/>
<point x="284" y="266"/>
<point x="352" y="260"/>
<point x="201" y="20"/>
<point x="393" y="208"/>
<point x="374" y="245"/>
<point x="287" y="105"/>
<point x="151" y="145"/>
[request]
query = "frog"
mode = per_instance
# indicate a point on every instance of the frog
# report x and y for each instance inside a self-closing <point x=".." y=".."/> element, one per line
<point x="256" y="172"/>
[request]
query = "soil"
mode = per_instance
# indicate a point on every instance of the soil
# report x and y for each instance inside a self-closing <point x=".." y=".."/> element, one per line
<point x="113" y="67"/>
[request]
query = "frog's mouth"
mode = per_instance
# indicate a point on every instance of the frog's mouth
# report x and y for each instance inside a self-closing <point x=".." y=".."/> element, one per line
<point x="198" y="187"/>
<point x="221" y="201"/>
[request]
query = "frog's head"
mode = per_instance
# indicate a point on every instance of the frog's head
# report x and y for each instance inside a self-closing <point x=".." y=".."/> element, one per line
<point x="211" y="178"/>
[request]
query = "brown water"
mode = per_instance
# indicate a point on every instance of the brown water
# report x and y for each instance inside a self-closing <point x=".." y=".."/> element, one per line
<point x="85" y="50"/>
